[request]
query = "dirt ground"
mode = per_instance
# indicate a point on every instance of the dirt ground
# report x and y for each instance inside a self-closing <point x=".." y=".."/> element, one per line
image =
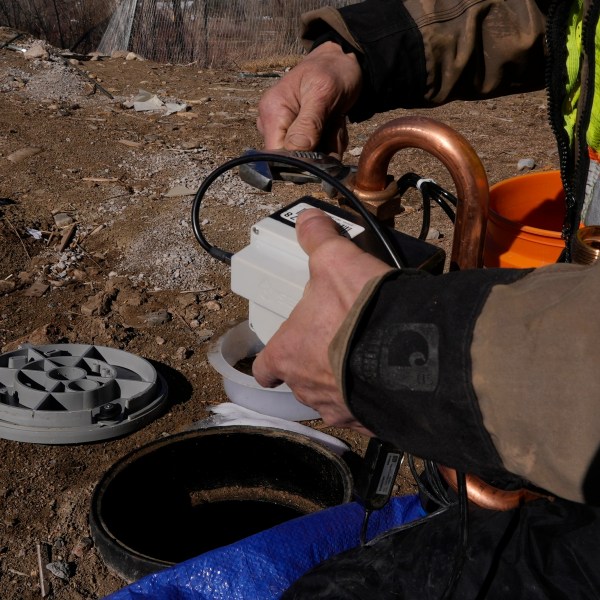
<point x="132" y="276"/>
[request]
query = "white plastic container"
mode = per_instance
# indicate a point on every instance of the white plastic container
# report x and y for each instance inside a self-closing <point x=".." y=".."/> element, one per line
<point x="241" y="342"/>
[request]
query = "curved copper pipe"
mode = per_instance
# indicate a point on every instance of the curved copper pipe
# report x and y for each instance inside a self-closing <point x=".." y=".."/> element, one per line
<point x="458" y="157"/>
<point x="486" y="496"/>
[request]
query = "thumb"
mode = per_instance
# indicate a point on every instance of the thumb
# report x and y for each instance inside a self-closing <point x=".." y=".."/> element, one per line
<point x="314" y="228"/>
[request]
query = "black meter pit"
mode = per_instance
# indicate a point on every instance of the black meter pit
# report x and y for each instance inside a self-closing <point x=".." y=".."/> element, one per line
<point x="196" y="491"/>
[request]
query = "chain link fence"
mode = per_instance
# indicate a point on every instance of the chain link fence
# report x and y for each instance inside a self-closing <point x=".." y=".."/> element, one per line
<point x="213" y="33"/>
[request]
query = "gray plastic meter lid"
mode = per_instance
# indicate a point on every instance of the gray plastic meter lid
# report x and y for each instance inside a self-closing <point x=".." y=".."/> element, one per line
<point x="75" y="393"/>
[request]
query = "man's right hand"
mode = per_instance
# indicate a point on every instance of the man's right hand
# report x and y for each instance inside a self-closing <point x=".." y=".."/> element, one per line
<point x="307" y="108"/>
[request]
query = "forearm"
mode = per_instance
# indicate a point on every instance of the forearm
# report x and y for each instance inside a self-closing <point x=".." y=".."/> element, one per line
<point x="464" y="369"/>
<point x="416" y="54"/>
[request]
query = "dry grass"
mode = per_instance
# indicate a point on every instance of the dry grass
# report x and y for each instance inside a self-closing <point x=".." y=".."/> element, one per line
<point x="271" y="63"/>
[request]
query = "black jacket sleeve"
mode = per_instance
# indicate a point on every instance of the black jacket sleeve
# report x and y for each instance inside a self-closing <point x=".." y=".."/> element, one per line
<point x="408" y="368"/>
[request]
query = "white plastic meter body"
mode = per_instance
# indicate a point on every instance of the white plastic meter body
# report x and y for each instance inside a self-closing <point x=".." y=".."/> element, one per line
<point x="272" y="270"/>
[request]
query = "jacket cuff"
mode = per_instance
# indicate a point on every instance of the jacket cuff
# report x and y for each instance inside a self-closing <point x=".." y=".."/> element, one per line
<point x="407" y="368"/>
<point x="338" y="348"/>
<point x="368" y="28"/>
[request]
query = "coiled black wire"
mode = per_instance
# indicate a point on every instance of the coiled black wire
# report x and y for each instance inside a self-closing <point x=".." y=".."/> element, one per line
<point x="394" y="252"/>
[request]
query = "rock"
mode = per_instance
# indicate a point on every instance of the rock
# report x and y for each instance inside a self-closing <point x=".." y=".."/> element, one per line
<point x="89" y="89"/>
<point x="204" y="334"/>
<point x="62" y="219"/>
<point x="212" y="305"/>
<point x="78" y="275"/>
<point x="98" y="305"/>
<point x="25" y="277"/>
<point x="59" y="543"/>
<point x="183" y="353"/>
<point x="526" y="164"/>
<point x="37" y="51"/>
<point x="116" y="283"/>
<point x="60" y="569"/>
<point x="131" y="143"/>
<point x="132" y="56"/>
<point x="186" y="299"/>
<point x="23" y="154"/>
<point x="191" y="312"/>
<point x="131" y="298"/>
<point x="119" y="54"/>
<point x="191" y="145"/>
<point x="160" y="341"/>
<point x="82" y="546"/>
<point x="159" y="317"/>
<point x="179" y="190"/>
<point x="37" y="289"/>
<point x="355" y="151"/>
<point x="6" y="286"/>
<point x="433" y="234"/>
<point x="38" y="337"/>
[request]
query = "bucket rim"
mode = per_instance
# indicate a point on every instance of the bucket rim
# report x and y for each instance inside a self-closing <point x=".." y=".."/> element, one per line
<point x="498" y="219"/>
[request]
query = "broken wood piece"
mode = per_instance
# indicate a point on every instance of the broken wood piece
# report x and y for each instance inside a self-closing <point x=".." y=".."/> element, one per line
<point x="91" y="233"/>
<point x="131" y="143"/>
<point x="37" y="289"/>
<point x="67" y="237"/>
<point x="23" y="154"/>
<point x="43" y="558"/>
<point x="101" y="179"/>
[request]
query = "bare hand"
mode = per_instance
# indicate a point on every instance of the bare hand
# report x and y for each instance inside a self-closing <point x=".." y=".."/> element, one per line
<point x="298" y="353"/>
<point x="308" y="107"/>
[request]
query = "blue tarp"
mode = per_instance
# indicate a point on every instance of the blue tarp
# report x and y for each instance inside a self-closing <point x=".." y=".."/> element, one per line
<point x="263" y="566"/>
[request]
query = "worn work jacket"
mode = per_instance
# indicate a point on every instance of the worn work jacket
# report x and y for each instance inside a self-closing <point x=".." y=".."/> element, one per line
<point x="508" y="375"/>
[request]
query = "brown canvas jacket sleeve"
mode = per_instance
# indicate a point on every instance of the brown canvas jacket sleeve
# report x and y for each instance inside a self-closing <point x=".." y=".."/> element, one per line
<point x="488" y="371"/>
<point x="536" y="374"/>
<point x="417" y="53"/>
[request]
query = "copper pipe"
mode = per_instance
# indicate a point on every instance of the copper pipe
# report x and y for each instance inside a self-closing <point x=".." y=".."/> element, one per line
<point x="484" y="495"/>
<point x="458" y="157"/>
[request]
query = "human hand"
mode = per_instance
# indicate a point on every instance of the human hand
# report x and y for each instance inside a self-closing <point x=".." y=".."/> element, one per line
<point x="307" y="107"/>
<point x="298" y="352"/>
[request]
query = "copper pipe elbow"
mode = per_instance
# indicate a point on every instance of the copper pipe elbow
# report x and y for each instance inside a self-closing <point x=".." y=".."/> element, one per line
<point x="458" y="157"/>
<point x="489" y="497"/>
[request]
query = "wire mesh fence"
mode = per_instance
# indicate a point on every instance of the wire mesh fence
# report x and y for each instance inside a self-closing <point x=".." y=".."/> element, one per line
<point x="73" y="24"/>
<point x="213" y="33"/>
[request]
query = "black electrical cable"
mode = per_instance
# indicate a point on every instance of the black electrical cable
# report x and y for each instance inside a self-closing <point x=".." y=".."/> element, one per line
<point x="461" y="547"/>
<point x="430" y="191"/>
<point x="406" y="526"/>
<point x="424" y="490"/>
<point x="433" y="477"/>
<point x="426" y="221"/>
<point x="439" y="199"/>
<point x="225" y="256"/>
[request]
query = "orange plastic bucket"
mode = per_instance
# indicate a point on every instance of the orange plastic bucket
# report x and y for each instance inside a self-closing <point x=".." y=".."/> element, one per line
<point x="525" y="219"/>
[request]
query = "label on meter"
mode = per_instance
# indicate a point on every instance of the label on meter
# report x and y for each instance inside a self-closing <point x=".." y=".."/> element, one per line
<point x="388" y="474"/>
<point x="350" y="229"/>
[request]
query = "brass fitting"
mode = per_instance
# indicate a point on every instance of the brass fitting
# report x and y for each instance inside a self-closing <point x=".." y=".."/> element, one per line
<point x="586" y="245"/>
<point x="383" y="204"/>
